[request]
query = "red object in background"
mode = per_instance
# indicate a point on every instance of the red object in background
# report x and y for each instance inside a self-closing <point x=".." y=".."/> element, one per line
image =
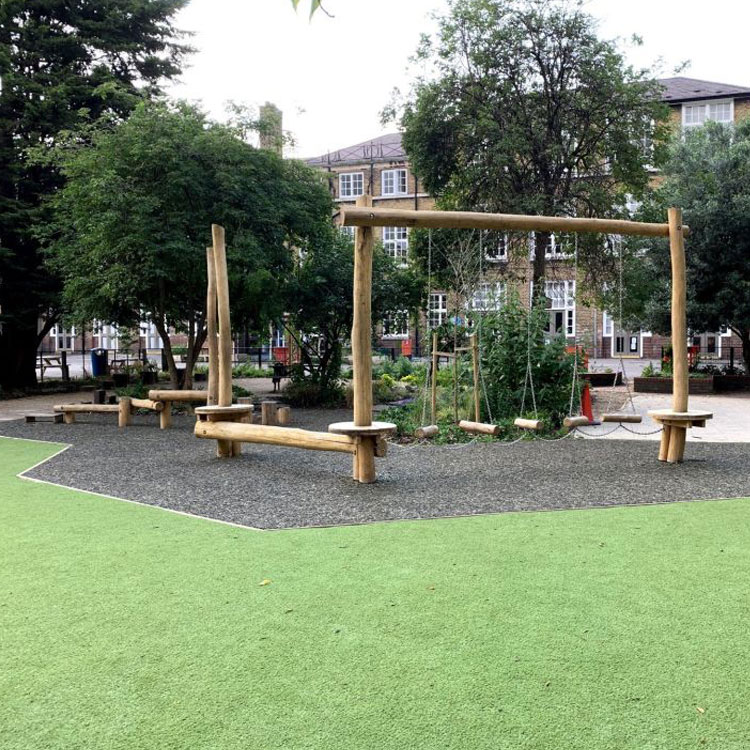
<point x="586" y="409"/>
<point x="583" y="357"/>
<point x="693" y="352"/>
<point x="281" y="354"/>
<point x="406" y="348"/>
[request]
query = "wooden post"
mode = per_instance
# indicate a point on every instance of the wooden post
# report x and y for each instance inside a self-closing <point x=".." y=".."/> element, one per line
<point x="664" y="444"/>
<point x="123" y="413"/>
<point x="223" y="447"/>
<point x="283" y="415"/>
<point x="364" y="458"/>
<point x="165" y="416"/>
<point x="475" y="368"/>
<point x="680" y="383"/>
<point x="268" y="412"/>
<point x="433" y="383"/>
<point x="213" y="343"/>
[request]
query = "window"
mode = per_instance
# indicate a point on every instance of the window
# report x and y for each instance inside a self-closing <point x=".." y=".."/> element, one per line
<point x="490" y="295"/>
<point x="351" y="184"/>
<point x="396" y="325"/>
<point x="396" y="242"/>
<point x="393" y="182"/>
<point x="496" y="248"/>
<point x="149" y="333"/>
<point x="64" y="338"/>
<point x="348" y="231"/>
<point x="607" y="324"/>
<point x="562" y="306"/>
<point x="694" y="115"/>
<point x="555" y="248"/>
<point x="438" y="309"/>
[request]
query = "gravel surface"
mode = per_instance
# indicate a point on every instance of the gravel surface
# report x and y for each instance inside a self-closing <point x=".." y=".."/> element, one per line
<point x="271" y="487"/>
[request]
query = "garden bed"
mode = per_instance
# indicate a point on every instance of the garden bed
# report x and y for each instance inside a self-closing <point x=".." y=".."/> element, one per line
<point x="602" y="379"/>
<point x="664" y="385"/>
<point x="724" y="383"/>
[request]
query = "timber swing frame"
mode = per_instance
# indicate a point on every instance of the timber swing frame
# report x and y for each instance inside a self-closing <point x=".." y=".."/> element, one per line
<point x="226" y="423"/>
<point x="675" y="421"/>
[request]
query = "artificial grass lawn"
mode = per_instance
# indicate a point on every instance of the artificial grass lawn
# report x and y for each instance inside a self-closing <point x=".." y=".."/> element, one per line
<point x="124" y="626"/>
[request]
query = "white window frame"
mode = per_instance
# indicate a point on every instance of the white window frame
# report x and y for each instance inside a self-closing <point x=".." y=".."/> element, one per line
<point x="399" y="180"/>
<point x="350" y="190"/>
<point x="437" y="309"/>
<point x="348" y="231"/>
<point x="563" y="296"/>
<point x="61" y="334"/>
<point x="488" y="296"/>
<point x="396" y="243"/>
<point x="706" y="105"/>
<point x="150" y="334"/>
<point x="553" y="251"/>
<point x="402" y="317"/>
<point x="499" y="252"/>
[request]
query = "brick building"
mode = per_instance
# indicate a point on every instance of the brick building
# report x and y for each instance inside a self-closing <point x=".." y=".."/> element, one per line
<point x="380" y="168"/>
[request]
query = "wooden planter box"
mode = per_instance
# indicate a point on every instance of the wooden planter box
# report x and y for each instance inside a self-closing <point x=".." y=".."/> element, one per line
<point x="664" y="385"/>
<point x="723" y="383"/>
<point x="602" y="379"/>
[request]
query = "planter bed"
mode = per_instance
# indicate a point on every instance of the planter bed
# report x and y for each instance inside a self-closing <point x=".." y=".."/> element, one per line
<point x="664" y="385"/>
<point x="724" y="383"/>
<point x="602" y="379"/>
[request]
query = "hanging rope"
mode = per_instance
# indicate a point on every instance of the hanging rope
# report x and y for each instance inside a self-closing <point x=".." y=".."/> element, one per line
<point x="482" y="385"/>
<point x="574" y="382"/>
<point x="428" y="370"/>
<point x="529" y="377"/>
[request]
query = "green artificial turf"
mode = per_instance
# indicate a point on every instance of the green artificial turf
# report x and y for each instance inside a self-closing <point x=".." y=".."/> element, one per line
<point x="125" y="626"/>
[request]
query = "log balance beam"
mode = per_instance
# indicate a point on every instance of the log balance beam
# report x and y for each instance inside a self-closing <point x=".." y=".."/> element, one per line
<point x="167" y="397"/>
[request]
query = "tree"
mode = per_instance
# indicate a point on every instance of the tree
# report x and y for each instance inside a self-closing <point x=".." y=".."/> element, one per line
<point x="321" y="307"/>
<point x="133" y="220"/>
<point x="61" y="64"/>
<point x="524" y="109"/>
<point x="708" y="175"/>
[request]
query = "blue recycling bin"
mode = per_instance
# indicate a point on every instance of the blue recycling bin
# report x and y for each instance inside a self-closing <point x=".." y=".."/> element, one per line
<point x="98" y="362"/>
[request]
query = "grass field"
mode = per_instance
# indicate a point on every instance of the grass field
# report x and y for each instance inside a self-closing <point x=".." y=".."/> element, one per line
<point x="125" y="626"/>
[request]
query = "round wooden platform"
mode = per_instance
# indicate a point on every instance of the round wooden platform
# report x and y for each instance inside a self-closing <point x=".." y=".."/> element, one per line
<point x="693" y="418"/>
<point x="217" y="413"/>
<point x="349" y="428"/>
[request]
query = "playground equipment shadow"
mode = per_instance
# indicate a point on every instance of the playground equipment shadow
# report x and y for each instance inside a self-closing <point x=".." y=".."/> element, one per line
<point x="272" y="488"/>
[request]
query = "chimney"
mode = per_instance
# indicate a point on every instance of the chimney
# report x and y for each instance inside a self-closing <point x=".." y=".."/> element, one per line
<point x="271" y="135"/>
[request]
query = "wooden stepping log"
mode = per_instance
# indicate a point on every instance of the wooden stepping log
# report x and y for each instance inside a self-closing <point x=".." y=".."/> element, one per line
<point x="622" y="418"/>
<point x="479" y="428"/>
<point x="529" y="424"/>
<point x="426" y="432"/>
<point x="573" y="422"/>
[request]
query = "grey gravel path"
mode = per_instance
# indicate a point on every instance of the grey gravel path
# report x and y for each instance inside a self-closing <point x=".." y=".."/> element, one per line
<point x="271" y="487"/>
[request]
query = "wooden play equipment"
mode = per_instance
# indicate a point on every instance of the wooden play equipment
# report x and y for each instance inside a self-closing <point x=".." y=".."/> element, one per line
<point x="123" y="409"/>
<point x="220" y="421"/>
<point x="678" y="419"/>
<point x="675" y="421"/>
<point x="162" y="400"/>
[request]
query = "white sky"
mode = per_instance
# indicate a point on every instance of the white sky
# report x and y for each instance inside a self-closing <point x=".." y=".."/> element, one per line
<point x="332" y="76"/>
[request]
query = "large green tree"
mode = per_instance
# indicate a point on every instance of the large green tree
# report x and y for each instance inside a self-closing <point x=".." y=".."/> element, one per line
<point x="708" y="175"/>
<point x="62" y="62"/>
<point x="320" y="305"/>
<point x="523" y="108"/>
<point x="133" y="220"/>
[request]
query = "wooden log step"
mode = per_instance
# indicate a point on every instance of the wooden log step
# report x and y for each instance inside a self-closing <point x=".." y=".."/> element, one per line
<point x="571" y="422"/>
<point x="284" y="436"/>
<point x="146" y="403"/>
<point x="56" y="418"/>
<point x="427" y="431"/>
<point x="170" y="395"/>
<point x="284" y="415"/>
<point x="529" y="424"/>
<point x="622" y="418"/>
<point x="479" y="428"/>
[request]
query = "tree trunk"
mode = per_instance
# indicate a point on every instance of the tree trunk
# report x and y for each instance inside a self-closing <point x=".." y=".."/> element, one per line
<point x="541" y="239"/>
<point x="19" y="341"/>
<point x="745" y="339"/>
<point x="193" y="353"/>
<point x="174" y="375"/>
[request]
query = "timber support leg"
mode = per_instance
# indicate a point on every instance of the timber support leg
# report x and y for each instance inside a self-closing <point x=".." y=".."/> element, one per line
<point x="365" y="458"/>
<point x="677" y="435"/>
<point x="664" y="445"/>
<point x="69" y="417"/>
<point x="123" y="414"/>
<point x="165" y="416"/>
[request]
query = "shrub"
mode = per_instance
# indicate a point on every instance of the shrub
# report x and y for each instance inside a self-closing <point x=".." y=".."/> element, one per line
<point x="306" y="393"/>
<point x="246" y="370"/>
<point x="238" y="391"/>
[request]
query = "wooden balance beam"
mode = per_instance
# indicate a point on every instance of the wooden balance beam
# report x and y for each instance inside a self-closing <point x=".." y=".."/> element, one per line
<point x="285" y="436"/>
<point x="122" y="409"/>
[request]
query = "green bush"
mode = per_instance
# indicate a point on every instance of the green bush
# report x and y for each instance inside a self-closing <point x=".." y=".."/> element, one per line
<point x="238" y="391"/>
<point x="136" y="390"/>
<point x="246" y="370"/>
<point x="306" y="394"/>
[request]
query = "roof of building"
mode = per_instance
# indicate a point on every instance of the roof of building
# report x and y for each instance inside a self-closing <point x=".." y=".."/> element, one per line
<point x="681" y="89"/>
<point x="390" y="148"/>
<point x="383" y="148"/>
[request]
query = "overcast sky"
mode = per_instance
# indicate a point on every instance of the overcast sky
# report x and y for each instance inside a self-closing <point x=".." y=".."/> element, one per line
<point x="332" y="76"/>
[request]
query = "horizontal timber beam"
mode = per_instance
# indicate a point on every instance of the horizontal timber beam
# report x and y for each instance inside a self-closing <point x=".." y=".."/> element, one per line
<point x="354" y="216"/>
<point x="285" y="436"/>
